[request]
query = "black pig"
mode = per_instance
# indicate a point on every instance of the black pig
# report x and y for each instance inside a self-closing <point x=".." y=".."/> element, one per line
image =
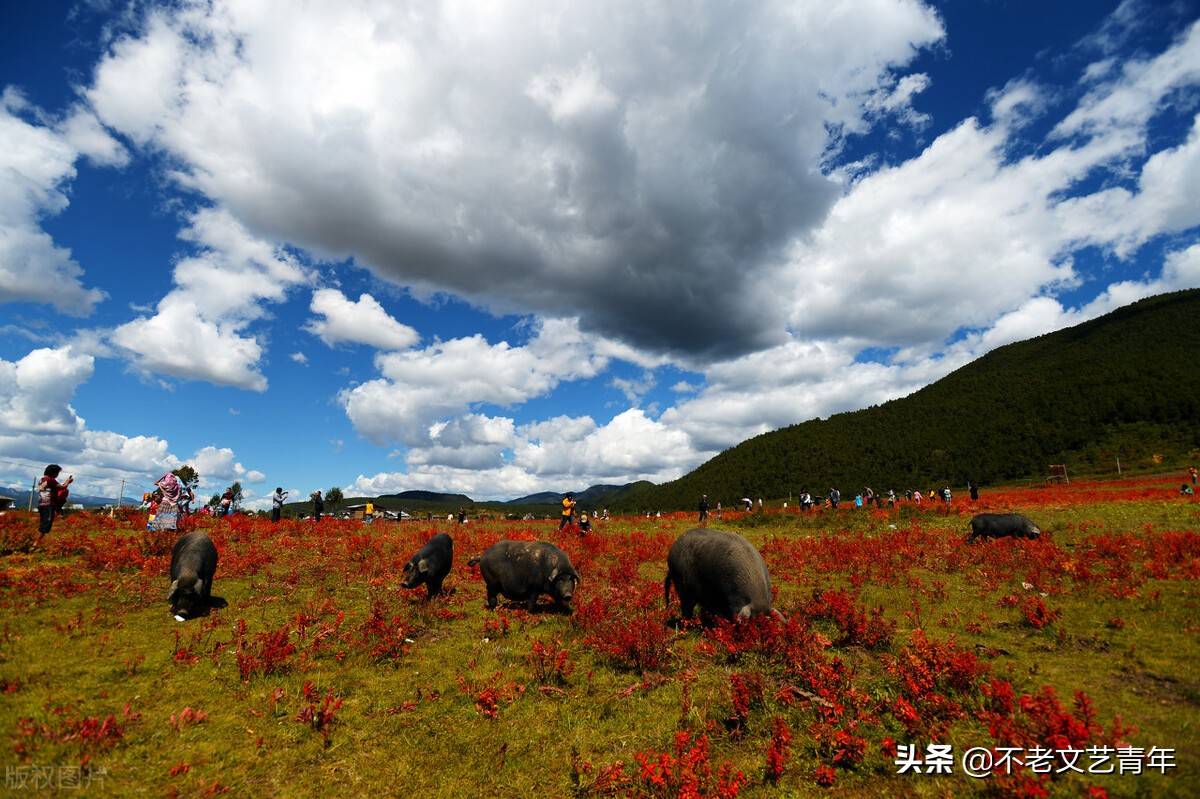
<point x="193" y="564"/>
<point x="524" y="570"/>
<point x="1002" y="525"/>
<point x="720" y="571"/>
<point x="430" y="565"/>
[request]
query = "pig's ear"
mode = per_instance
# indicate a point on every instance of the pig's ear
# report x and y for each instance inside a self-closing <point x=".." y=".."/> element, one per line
<point x="553" y="574"/>
<point x="173" y="591"/>
<point x="422" y="566"/>
<point x="199" y="587"/>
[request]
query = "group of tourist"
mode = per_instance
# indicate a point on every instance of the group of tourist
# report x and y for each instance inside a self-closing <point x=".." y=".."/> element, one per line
<point x="864" y="498"/>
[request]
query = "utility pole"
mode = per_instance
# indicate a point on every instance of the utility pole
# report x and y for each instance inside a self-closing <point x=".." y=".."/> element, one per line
<point x="32" y="491"/>
<point x="1118" y="464"/>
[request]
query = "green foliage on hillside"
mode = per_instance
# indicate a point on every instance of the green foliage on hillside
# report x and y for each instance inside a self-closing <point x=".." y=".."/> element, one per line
<point x="1124" y="385"/>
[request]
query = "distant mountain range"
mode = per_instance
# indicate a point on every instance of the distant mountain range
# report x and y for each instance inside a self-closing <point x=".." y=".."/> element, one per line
<point x="430" y="496"/>
<point x="595" y="497"/>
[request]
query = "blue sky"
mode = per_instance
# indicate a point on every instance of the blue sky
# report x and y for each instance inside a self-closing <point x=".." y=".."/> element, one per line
<point x="555" y="246"/>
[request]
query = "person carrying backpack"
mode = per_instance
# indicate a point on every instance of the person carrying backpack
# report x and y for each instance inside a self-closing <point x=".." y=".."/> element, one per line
<point x="52" y="498"/>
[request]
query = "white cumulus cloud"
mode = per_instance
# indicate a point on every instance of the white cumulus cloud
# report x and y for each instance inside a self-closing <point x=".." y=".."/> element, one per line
<point x="357" y="322"/>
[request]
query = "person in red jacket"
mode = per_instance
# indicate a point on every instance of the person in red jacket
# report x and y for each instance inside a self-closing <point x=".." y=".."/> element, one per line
<point x="51" y="498"/>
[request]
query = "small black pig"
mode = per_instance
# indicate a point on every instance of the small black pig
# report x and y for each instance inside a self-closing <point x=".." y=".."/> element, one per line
<point x="1002" y="525"/>
<point x="193" y="564"/>
<point x="430" y="565"/>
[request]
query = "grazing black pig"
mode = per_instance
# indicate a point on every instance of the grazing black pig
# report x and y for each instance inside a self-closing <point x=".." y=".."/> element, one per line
<point x="1002" y="525"/>
<point x="524" y="570"/>
<point x="430" y="565"/>
<point x="720" y="571"/>
<point x="193" y="564"/>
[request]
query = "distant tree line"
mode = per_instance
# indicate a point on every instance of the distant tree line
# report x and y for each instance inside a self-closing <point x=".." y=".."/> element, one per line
<point x="1125" y="385"/>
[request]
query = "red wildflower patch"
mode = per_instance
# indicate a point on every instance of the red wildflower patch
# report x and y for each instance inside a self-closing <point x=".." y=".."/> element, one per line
<point x="187" y="717"/>
<point x="320" y="717"/>
<point x="268" y="653"/>
<point x="1035" y="613"/>
<point x="859" y="626"/>
<point x="779" y="749"/>
<point x="550" y="662"/>
<point x="489" y="695"/>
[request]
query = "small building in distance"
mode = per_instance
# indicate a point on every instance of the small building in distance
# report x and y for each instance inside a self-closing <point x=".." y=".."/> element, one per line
<point x="7" y="503"/>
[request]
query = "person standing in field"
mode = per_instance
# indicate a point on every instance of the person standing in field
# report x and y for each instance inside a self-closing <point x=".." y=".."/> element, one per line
<point x="891" y="497"/>
<point x="277" y="503"/>
<point x="703" y="508"/>
<point x="1192" y="471"/>
<point x="568" y="511"/>
<point x="974" y="488"/>
<point x="318" y="505"/>
<point x="170" y="491"/>
<point x="52" y="497"/>
<point x="835" y="497"/>
<point x="227" y="502"/>
<point x="585" y="524"/>
<point x="916" y="497"/>
<point x="946" y="497"/>
<point x="186" y="496"/>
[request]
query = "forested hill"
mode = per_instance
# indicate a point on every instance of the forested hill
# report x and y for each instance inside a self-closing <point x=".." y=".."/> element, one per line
<point x="1124" y="385"/>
